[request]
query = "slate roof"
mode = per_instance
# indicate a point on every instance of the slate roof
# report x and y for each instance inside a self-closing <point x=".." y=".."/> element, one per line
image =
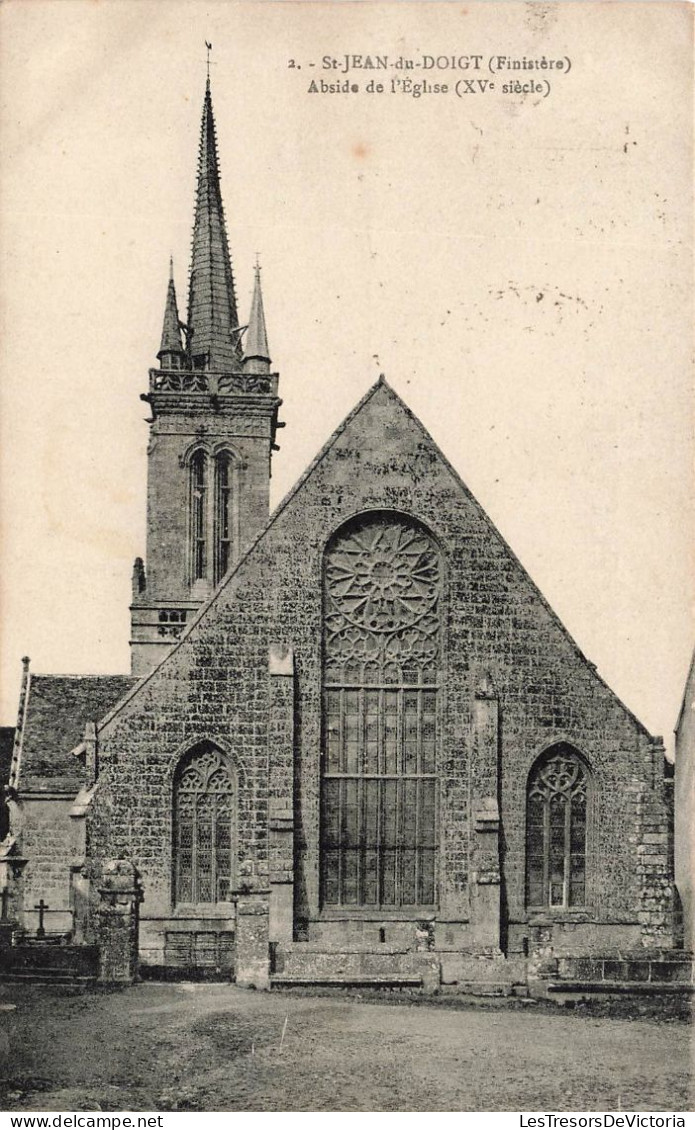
<point x="58" y="706"/>
<point x="212" y="311"/>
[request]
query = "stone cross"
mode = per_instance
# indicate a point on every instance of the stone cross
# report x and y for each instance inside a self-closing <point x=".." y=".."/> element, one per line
<point x="42" y="907"/>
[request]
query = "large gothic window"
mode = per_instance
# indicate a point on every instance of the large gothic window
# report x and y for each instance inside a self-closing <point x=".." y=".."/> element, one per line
<point x="382" y="673"/>
<point x="556" y="827"/>
<point x="203" y="827"/>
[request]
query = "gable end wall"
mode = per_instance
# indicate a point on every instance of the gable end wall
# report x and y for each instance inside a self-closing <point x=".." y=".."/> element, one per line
<point x="215" y="685"/>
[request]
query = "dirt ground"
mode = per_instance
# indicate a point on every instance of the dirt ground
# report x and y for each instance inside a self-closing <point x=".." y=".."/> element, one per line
<point x="158" y="1047"/>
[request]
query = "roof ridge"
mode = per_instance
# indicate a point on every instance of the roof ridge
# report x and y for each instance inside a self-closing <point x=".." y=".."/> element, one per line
<point x="491" y="525"/>
<point x="291" y="494"/>
<point x="77" y="675"/>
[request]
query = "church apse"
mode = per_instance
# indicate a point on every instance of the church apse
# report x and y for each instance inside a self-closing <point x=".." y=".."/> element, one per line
<point x="360" y="745"/>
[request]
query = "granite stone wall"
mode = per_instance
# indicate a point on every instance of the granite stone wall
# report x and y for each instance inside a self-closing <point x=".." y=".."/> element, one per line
<point x="216" y="685"/>
<point x="47" y="842"/>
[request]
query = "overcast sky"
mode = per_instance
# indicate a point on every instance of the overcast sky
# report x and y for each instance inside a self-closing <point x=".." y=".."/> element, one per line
<point x="519" y="267"/>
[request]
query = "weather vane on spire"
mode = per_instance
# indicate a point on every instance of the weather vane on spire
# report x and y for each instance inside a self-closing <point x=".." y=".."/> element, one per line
<point x="209" y="49"/>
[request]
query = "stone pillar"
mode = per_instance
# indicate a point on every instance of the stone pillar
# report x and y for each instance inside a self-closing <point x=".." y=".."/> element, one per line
<point x="91" y="750"/>
<point x="80" y="897"/>
<point x="484" y="860"/>
<point x="11" y="867"/>
<point x="252" y="942"/>
<point x="80" y="901"/>
<point x="116" y="922"/>
<point x="281" y="794"/>
<point x="654" y="864"/>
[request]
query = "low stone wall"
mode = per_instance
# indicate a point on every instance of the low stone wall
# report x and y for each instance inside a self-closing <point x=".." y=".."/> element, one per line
<point x="49" y="962"/>
<point x="161" y="937"/>
<point x="662" y="967"/>
<point x="471" y="972"/>
<point x="576" y="938"/>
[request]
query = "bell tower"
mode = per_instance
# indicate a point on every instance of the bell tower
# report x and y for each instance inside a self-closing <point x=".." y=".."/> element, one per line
<point x="214" y="414"/>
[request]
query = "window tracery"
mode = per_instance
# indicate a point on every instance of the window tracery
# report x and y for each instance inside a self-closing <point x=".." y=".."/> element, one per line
<point x="556" y="830"/>
<point x="203" y="828"/>
<point x="382" y="660"/>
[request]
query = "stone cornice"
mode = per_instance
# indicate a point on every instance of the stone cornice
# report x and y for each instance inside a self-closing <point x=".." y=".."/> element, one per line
<point x="203" y="383"/>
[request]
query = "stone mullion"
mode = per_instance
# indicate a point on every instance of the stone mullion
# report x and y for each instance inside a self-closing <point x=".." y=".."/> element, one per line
<point x="546" y="851"/>
<point x="341" y="794"/>
<point x="194" y="851"/>
<point x="213" y="847"/>
<point x="210" y="523"/>
<point x="400" y="767"/>
<point x="379" y="798"/>
<point x="418" y="842"/>
<point x="362" y="753"/>
<point x="567" y="868"/>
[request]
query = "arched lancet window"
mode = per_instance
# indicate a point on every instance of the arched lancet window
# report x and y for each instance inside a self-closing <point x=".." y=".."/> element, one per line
<point x="213" y="515"/>
<point x="556" y="829"/>
<point x="203" y="827"/>
<point x="199" y="522"/>
<point x="382" y="673"/>
<point x="223" y="514"/>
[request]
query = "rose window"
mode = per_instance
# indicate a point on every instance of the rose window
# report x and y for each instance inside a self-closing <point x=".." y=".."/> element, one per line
<point x="382" y="586"/>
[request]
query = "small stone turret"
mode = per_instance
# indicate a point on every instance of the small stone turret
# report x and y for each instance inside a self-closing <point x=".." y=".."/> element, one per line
<point x="171" y="354"/>
<point x="256" y="356"/>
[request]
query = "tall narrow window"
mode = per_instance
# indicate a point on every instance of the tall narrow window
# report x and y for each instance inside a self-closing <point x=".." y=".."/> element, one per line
<point x="223" y="515"/>
<point x="382" y="672"/>
<point x="203" y="828"/>
<point x="556" y="826"/>
<point x="199" y="515"/>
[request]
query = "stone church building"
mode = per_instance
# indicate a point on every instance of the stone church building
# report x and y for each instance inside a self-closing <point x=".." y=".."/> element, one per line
<point x="357" y="745"/>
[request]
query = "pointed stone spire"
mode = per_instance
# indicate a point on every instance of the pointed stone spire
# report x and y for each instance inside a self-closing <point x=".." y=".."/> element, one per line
<point x="212" y="314"/>
<point x="171" y="353"/>
<point x="257" y="358"/>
